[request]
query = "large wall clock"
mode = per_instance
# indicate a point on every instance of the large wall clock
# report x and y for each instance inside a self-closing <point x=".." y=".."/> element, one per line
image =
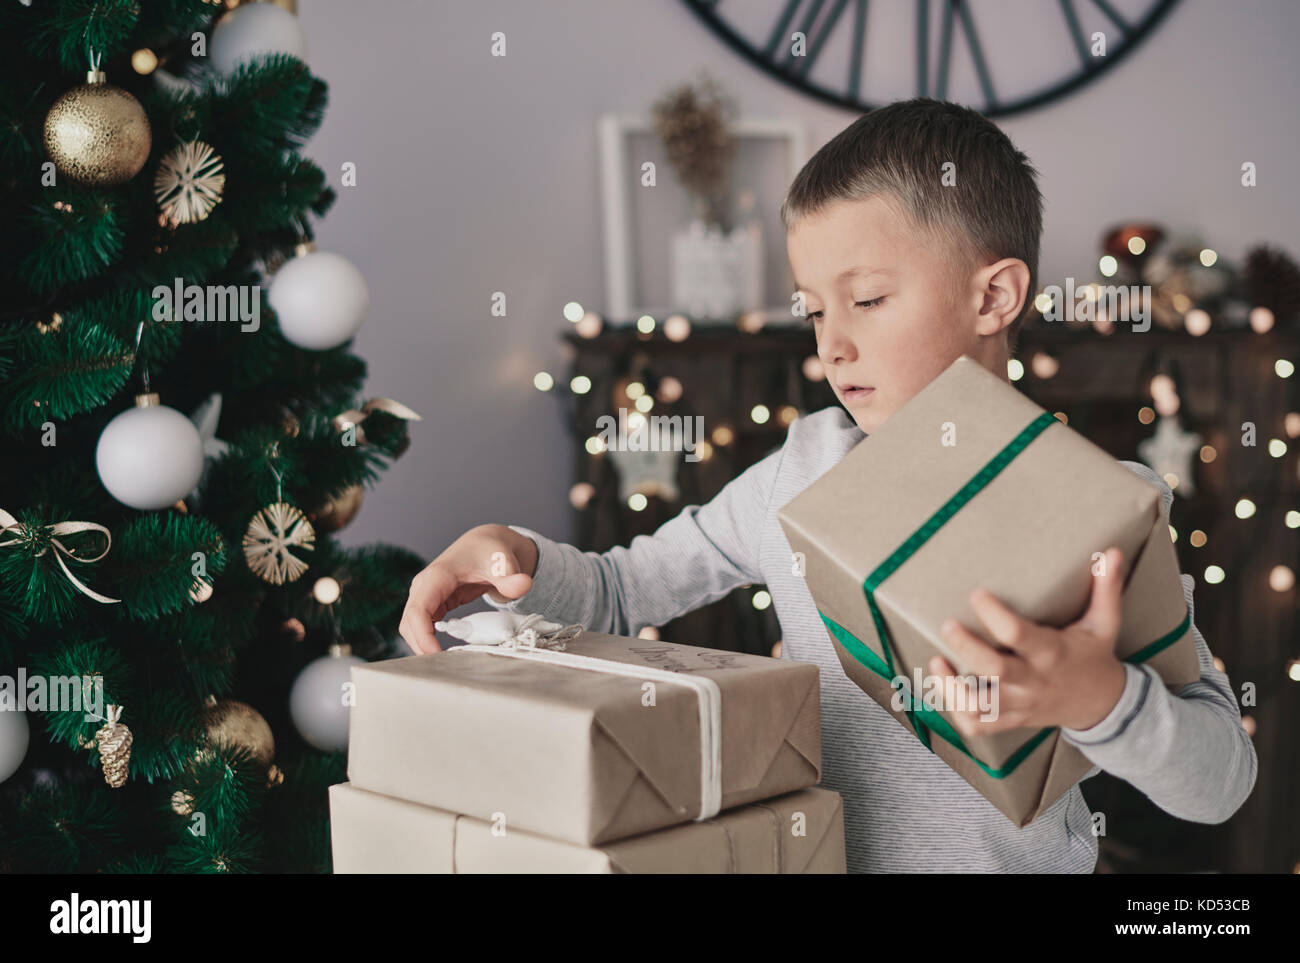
<point x="997" y="56"/>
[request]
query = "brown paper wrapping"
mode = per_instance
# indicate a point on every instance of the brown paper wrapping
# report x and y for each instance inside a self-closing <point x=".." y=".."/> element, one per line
<point x="372" y="833"/>
<point x="1028" y="537"/>
<point x="575" y="754"/>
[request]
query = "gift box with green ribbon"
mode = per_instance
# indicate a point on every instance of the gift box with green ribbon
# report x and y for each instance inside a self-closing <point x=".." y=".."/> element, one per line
<point x="972" y="485"/>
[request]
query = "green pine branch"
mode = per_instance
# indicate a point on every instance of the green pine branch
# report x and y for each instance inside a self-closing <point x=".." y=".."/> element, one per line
<point x="226" y="785"/>
<point x="21" y="130"/>
<point x="62" y="374"/>
<point x="153" y="566"/>
<point x="163" y="21"/>
<point x="67" y="828"/>
<point x="271" y="195"/>
<point x="68" y="28"/>
<point x="196" y="253"/>
<point x="267" y="106"/>
<point x="72" y="243"/>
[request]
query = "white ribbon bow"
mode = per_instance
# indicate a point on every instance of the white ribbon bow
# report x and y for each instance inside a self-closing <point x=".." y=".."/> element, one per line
<point x="352" y="418"/>
<point x="529" y="636"/>
<point x="9" y="523"/>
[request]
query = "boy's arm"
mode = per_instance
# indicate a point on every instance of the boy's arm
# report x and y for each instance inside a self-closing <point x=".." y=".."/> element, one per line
<point x="1186" y="751"/>
<point x="694" y="558"/>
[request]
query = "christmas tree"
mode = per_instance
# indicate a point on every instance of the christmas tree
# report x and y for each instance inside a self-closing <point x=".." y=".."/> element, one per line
<point x="183" y="434"/>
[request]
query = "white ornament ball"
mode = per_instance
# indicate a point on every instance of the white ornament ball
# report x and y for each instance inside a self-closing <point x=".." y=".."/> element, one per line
<point x="320" y="299"/>
<point x="254" y="30"/>
<point x="149" y="457"/>
<point x="316" y="701"/>
<point x="14" y="735"/>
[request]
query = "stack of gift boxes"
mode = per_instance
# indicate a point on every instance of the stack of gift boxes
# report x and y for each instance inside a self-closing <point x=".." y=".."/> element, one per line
<point x="601" y="754"/>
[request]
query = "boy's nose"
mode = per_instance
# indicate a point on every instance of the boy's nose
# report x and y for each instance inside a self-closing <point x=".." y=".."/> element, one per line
<point x="833" y="345"/>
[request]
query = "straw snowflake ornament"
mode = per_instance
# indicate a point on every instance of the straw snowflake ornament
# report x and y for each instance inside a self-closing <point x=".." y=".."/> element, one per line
<point x="189" y="182"/>
<point x="269" y="543"/>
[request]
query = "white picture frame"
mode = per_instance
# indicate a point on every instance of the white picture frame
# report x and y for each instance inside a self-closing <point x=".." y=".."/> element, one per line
<point x="623" y="302"/>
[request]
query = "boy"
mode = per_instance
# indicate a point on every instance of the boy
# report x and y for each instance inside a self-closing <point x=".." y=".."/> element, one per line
<point x="899" y="275"/>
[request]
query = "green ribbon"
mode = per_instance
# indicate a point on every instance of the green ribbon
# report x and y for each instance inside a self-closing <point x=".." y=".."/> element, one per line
<point x="925" y="720"/>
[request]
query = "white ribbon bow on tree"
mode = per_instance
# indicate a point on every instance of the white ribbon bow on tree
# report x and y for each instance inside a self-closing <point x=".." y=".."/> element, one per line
<point x="26" y="533"/>
<point x="352" y="418"/>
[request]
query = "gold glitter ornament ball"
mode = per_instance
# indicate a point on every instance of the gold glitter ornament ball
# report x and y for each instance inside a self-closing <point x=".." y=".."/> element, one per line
<point x="337" y="512"/>
<point x="97" y="134"/>
<point x="236" y="724"/>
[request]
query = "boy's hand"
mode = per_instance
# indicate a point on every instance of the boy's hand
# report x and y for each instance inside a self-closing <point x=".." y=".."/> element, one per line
<point x="488" y="557"/>
<point x="1051" y="677"/>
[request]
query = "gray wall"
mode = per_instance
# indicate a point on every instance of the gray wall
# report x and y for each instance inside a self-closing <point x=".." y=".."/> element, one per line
<point x="478" y="174"/>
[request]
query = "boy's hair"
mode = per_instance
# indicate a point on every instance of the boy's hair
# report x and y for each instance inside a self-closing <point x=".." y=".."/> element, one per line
<point x="993" y="211"/>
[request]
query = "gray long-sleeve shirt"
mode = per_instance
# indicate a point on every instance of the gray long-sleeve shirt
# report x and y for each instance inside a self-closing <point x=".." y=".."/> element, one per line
<point x="904" y="809"/>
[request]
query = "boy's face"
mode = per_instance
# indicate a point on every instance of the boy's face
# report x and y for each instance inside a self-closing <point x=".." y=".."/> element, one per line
<point x="916" y="320"/>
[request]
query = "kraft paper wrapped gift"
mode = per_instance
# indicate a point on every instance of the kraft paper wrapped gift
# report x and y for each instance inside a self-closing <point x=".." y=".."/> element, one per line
<point x="899" y="532"/>
<point x="583" y="755"/>
<point x="799" y="832"/>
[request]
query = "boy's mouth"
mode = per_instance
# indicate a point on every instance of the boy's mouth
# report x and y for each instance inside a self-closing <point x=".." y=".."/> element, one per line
<point x="856" y="392"/>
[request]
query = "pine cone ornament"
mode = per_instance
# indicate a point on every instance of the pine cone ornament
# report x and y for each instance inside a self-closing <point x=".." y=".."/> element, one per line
<point x="1272" y="281"/>
<point x="114" y="742"/>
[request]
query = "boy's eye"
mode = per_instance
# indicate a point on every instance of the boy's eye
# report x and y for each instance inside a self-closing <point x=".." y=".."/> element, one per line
<point x="860" y="304"/>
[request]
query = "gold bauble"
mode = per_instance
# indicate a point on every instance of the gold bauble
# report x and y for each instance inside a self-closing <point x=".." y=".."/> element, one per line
<point x="97" y="135"/>
<point x="234" y="724"/>
<point x="337" y="512"/>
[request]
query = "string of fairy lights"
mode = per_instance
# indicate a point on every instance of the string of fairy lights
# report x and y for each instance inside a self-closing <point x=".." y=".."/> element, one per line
<point x="1197" y="322"/>
<point x="676" y="328"/>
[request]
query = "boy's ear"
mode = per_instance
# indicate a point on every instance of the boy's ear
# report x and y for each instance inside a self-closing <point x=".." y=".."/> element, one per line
<point x="1005" y="285"/>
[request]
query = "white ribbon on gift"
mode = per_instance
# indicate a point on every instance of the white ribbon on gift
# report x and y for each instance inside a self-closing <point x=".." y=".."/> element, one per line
<point x="528" y="642"/>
